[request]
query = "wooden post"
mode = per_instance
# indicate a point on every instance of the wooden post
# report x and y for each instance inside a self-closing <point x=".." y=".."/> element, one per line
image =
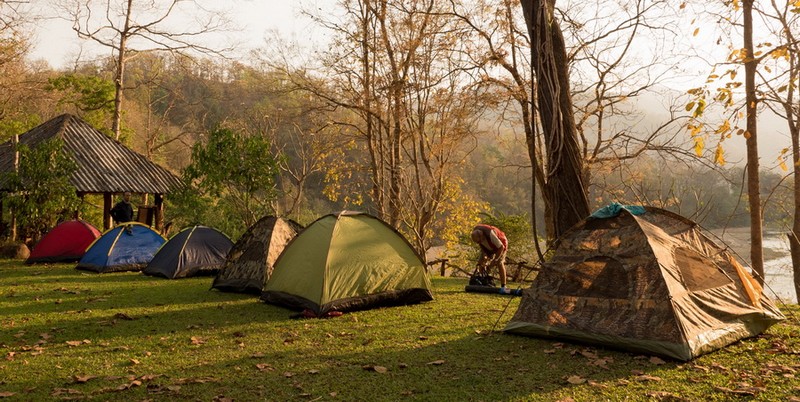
<point x="158" y="200"/>
<point x="106" y="211"/>
<point x="13" y="222"/>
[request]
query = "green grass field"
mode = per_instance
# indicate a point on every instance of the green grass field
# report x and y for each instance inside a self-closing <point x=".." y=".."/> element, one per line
<point x="75" y="335"/>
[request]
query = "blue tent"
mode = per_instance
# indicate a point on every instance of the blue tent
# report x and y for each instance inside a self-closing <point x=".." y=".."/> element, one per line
<point x="120" y="249"/>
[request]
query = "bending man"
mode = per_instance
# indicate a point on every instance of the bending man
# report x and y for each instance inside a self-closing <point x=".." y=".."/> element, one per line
<point x="494" y="245"/>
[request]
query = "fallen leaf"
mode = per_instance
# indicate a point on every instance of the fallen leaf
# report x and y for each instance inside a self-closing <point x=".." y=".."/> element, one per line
<point x="65" y="391"/>
<point x="575" y="379"/>
<point x="750" y="391"/>
<point x="134" y="362"/>
<point x="257" y="355"/>
<point x="380" y="369"/>
<point x="196" y="341"/>
<point x="288" y="374"/>
<point x="80" y="379"/>
<point x="436" y="363"/>
<point x="129" y="385"/>
<point x="123" y="316"/>
<point x="665" y="396"/>
<point x="265" y="367"/>
<point x="657" y="361"/>
<point x="78" y="343"/>
<point x="313" y="371"/>
<point x="647" y="377"/>
<point x="6" y="394"/>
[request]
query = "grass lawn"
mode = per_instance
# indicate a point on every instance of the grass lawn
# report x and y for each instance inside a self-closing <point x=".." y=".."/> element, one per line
<point x="67" y="334"/>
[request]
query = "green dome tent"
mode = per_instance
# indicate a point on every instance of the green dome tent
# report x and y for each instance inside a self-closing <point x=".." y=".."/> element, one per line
<point x="644" y="280"/>
<point x="344" y="262"/>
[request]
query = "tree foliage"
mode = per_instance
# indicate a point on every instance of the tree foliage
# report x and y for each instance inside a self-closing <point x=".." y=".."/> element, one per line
<point x="90" y="96"/>
<point x="230" y="182"/>
<point x="41" y="193"/>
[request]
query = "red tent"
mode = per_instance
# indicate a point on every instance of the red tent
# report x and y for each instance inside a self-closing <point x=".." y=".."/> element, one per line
<point x="66" y="242"/>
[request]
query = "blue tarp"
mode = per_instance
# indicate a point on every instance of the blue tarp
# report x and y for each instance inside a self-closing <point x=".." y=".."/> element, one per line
<point x="613" y="209"/>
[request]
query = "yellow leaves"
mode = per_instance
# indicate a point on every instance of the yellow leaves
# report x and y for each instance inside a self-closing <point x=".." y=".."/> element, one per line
<point x="699" y="145"/>
<point x="738" y="55"/>
<point x="782" y="159"/>
<point x="725" y="96"/>
<point x="719" y="156"/>
<point x="724" y="127"/>
<point x="696" y="107"/>
<point x="781" y="52"/>
<point x="696" y="31"/>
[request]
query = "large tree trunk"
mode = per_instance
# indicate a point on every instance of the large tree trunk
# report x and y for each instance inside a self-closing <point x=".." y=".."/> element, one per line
<point x="564" y="193"/>
<point x="753" y="183"/>
<point x="794" y="235"/>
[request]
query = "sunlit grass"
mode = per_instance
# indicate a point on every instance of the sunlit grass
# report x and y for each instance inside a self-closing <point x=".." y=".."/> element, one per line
<point x="70" y="334"/>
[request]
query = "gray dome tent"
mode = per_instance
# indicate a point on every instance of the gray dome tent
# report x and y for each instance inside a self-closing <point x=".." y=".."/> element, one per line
<point x="194" y="251"/>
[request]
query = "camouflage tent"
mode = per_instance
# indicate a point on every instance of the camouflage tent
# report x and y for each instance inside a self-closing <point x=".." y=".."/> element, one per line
<point x="650" y="283"/>
<point x="249" y="262"/>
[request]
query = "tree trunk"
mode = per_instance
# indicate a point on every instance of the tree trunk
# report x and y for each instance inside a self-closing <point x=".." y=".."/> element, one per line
<point x="564" y="193"/>
<point x="116" y="125"/>
<point x="753" y="183"/>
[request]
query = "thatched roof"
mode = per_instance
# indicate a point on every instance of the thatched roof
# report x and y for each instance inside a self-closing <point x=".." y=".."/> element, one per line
<point x="104" y="164"/>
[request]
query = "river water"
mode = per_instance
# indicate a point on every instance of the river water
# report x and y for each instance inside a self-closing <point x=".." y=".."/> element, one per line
<point x="778" y="281"/>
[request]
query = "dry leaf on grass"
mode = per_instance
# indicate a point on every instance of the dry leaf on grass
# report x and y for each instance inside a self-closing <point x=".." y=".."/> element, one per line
<point x="264" y="367"/>
<point x="80" y="379"/>
<point x="65" y="391"/>
<point x="665" y="396"/>
<point x="436" y="363"/>
<point x="747" y="391"/>
<point x="78" y="343"/>
<point x="576" y="379"/>
<point x="6" y="394"/>
<point x="657" y="361"/>
<point x="647" y="377"/>
<point x="196" y="340"/>
<point x="123" y="316"/>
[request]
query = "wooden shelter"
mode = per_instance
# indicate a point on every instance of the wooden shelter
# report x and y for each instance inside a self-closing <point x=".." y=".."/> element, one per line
<point x="105" y="166"/>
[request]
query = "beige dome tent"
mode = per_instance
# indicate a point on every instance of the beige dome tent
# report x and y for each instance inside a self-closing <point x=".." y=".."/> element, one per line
<point x="249" y="263"/>
<point x="649" y="282"/>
